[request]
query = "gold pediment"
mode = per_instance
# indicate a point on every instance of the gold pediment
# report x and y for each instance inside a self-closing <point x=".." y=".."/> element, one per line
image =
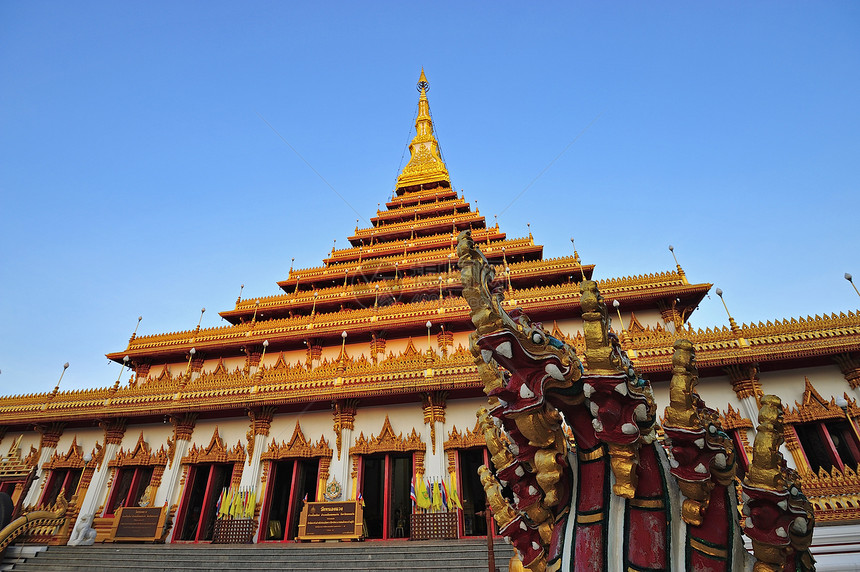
<point x="140" y="455"/>
<point x="215" y="452"/>
<point x="387" y="442"/>
<point x="469" y="438"/>
<point x="297" y="447"/>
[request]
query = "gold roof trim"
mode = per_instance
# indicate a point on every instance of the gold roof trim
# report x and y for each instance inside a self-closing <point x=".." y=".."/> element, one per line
<point x="387" y="441"/>
<point x="469" y="438"/>
<point x="512" y="246"/>
<point x="404" y="374"/>
<point x="215" y="452"/>
<point x="297" y="447"/>
<point x="565" y="296"/>
<point x="447" y="218"/>
<point x="420" y="195"/>
<point x="140" y="455"/>
<point x="429" y="241"/>
<point x="454" y="203"/>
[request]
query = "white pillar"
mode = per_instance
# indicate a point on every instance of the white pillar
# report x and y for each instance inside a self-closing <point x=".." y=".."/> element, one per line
<point x="168" y="491"/>
<point x="750" y="409"/>
<point x="95" y="491"/>
<point x="343" y="468"/>
<point x="251" y="474"/>
<point x="434" y="463"/>
<point x="36" y="485"/>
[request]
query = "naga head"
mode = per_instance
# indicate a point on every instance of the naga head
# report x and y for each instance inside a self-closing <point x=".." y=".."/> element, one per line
<point x="535" y="362"/>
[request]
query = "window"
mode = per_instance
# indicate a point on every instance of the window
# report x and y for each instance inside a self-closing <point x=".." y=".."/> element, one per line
<point x="65" y="480"/>
<point x="829" y="444"/>
<point x="128" y="488"/>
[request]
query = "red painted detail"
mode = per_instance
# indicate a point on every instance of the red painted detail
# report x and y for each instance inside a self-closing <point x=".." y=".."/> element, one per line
<point x="590" y="550"/>
<point x="648" y="526"/>
<point x="592" y="494"/>
<point x="291" y="503"/>
<point x="715" y="532"/>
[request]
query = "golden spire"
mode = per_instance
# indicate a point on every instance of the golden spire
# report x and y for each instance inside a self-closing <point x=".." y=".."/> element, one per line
<point x="425" y="165"/>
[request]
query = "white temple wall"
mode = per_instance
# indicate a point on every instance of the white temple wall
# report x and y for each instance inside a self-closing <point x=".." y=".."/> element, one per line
<point x="645" y="317"/>
<point x="461" y="413"/>
<point x="570" y="326"/>
<point x="403" y="418"/>
<point x="154" y="434"/>
<point x="28" y="439"/>
<point x="86" y="438"/>
<point x="398" y="345"/>
<point x="231" y="363"/>
<point x="314" y="424"/>
<point x="718" y="394"/>
<point x="231" y="430"/>
<point x="790" y="384"/>
<point x="460" y="339"/>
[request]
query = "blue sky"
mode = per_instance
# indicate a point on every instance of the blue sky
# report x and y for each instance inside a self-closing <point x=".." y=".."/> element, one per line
<point x="138" y="178"/>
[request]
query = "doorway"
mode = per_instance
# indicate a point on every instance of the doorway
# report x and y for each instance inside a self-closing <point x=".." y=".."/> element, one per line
<point x="473" y="498"/>
<point x="385" y="485"/>
<point x="205" y="483"/>
<point x="292" y="481"/>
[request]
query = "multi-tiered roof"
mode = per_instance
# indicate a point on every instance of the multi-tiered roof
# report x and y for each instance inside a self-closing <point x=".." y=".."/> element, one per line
<point x="401" y="271"/>
<point x="396" y="275"/>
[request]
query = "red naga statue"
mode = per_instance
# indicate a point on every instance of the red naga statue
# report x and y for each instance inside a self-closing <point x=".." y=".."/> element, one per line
<point x="580" y="480"/>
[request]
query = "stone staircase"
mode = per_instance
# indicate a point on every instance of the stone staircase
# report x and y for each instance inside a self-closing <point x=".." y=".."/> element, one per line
<point x="418" y="556"/>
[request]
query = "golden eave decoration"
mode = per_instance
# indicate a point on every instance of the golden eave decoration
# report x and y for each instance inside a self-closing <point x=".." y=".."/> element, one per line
<point x="72" y="459"/>
<point x="298" y="447"/>
<point x="469" y="438"/>
<point x="215" y="452"/>
<point x="140" y="455"/>
<point x="387" y="441"/>
<point x="12" y="466"/>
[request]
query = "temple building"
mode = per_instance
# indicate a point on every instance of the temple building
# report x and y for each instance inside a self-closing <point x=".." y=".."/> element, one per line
<point x="356" y="382"/>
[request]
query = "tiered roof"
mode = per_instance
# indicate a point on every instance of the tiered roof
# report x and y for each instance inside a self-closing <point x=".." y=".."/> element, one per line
<point x="395" y="276"/>
<point x="401" y="271"/>
<point x="399" y="377"/>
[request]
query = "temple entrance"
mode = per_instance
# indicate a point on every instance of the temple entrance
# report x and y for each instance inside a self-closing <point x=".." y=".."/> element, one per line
<point x="198" y="512"/>
<point x="292" y="480"/>
<point x="472" y="493"/>
<point x="385" y="485"/>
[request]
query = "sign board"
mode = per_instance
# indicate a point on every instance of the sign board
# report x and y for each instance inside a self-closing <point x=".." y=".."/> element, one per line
<point x="331" y="521"/>
<point x="140" y="524"/>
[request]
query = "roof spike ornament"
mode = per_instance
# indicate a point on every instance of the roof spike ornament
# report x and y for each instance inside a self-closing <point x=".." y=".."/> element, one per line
<point x="134" y="333"/>
<point x="678" y="266"/>
<point x="851" y="280"/>
<point x="734" y="325"/>
<point x="56" y="388"/>
<point x="425" y="167"/>
<point x="577" y="260"/>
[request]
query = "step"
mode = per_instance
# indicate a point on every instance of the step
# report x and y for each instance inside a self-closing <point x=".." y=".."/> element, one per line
<point x="419" y="556"/>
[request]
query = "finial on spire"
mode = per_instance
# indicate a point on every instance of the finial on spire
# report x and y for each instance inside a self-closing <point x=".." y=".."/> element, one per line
<point x="425" y="165"/>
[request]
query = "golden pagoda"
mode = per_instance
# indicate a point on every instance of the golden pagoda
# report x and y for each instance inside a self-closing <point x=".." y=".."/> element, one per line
<point x="357" y="381"/>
